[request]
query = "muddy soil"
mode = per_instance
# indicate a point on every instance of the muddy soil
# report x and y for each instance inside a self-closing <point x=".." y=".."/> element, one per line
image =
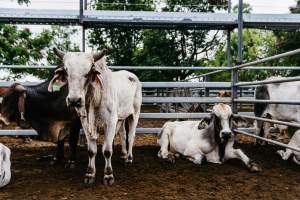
<point x="148" y="177"/>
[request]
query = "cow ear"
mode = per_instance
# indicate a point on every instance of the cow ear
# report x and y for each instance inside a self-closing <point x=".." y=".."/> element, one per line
<point x="204" y="123"/>
<point x="60" y="54"/>
<point x="96" y="78"/>
<point x="57" y="81"/>
<point x="20" y="88"/>
<point x="98" y="56"/>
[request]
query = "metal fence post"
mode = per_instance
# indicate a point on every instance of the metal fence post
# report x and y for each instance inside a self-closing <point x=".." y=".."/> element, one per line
<point x="234" y="72"/>
<point x="82" y="7"/>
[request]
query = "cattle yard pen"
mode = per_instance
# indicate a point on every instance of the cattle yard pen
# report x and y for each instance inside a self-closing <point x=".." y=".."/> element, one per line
<point x="167" y="20"/>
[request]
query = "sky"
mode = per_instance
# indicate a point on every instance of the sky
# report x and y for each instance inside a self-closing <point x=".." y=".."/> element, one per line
<point x="259" y="6"/>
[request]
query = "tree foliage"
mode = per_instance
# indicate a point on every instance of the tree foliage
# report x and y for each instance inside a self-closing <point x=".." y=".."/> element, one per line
<point x="157" y="47"/>
<point x="287" y="41"/>
<point x="257" y="44"/>
<point x="22" y="47"/>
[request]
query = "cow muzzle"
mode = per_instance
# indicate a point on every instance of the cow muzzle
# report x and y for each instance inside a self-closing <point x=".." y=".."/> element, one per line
<point x="74" y="102"/>
<point x="226" y="135"/>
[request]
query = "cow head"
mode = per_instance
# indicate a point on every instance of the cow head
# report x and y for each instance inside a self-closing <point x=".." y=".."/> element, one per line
<point x="79" y="71"/>
<point x="13" y="101"/>
<point x="221" y="120"/>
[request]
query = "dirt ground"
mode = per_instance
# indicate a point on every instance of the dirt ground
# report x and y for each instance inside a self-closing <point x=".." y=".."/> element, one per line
<point x="148" y="177"/>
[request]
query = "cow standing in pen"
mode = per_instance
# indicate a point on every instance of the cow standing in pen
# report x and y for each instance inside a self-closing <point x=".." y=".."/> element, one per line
<point x="5" y="172"/>
<point x="103" y="99"/>
<point x="44" y="111"/>
<point x="276" y="91"/>
<point x="210" y="138"/>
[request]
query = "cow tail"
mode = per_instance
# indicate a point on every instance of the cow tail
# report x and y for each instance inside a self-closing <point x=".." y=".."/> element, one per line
<point x="126" y="132"/>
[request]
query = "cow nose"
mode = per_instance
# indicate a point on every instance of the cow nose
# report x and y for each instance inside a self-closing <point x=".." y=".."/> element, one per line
<point x="226" y="135"/>
<point x="74" y="101"/>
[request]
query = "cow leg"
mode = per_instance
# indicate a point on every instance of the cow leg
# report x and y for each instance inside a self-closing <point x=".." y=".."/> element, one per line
<point x="73" y="142"/>
<point x="123" y="137"/>
<point x="122" y="134"/>
<point x="107" y="151"/>
<point x="163" y="142"/>
<point x="92" y="151"/>
<point x="132" y="123"/>
<point x="231" y="153"/>
<point x="59" y="156"/>
<point x="259" y="130"/>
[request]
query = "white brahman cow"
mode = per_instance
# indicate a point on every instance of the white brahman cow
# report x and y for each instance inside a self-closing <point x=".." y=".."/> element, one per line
<point x="102" y="99"/>
<point x="5" y="173"/>
<point x="210" y="138"/>
<point x="276" y="91"/>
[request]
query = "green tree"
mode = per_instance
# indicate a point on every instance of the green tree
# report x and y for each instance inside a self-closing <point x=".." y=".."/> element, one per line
<point x="287" y="41"/>
<point x="22" y="47"/>
<point x="157" y="47"/>
<point x="257" y="44"/>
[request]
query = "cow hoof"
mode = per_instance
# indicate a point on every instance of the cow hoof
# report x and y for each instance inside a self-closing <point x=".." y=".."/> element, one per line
<point x="281" y="154"/>
<point x="254" y="167"/>
<point x="89" y="179"/>
<point x="70" y="164"/>
<point x="129" y="160"/>
<point x="55" y="161"/>
<point x="171" y="158"/>
<point x="123" y="156"/>
<point x="108" y="180"/>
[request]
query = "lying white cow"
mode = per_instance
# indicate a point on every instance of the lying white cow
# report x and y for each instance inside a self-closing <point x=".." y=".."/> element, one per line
<point x="102" y="99"/>
<point x="209" y="138"/>
<point x="5" y="173"/>
<point x="294" y="142"/>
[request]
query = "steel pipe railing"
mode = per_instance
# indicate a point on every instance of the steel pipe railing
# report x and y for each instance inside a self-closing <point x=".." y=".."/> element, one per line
<point x="121" y="67"/>
<point x="267" y="140"/>
<point x="289" y="102"/>
<point x="278" y="56"/>
<point x="158" y="67"/>
<point x="282" y="80"/>
<point x="297" y="125"/>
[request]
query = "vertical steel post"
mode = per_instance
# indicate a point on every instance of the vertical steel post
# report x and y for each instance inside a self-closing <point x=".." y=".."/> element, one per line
<point x="82" y="7"/>
<point x="85" y="4"/>
<point x="229" y="39"/>
<point x="83" y="38"/>
<point x="234" y="72"/>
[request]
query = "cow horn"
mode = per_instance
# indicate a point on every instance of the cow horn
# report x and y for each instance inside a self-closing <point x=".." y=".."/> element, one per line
<point x="60" y="54"/>
<point x="98" y="56"/>
<point x="20" y="88"/>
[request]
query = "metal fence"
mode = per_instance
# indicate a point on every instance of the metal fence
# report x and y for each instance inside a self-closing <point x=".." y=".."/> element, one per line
<point x="238" y="22"/>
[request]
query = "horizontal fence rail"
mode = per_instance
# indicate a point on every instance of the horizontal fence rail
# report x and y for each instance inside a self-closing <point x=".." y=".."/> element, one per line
<point x="251" y="100"/>
<point x="186" y="100"/>
<point x="152" y="84"/>
<point x="196" y="68"/>
<point x="31" y="132"/>
<point x="277" y="80"/>
<point x="267" y="140"/>
<point x="278" y="56"/>
<point x="297" y="125"/>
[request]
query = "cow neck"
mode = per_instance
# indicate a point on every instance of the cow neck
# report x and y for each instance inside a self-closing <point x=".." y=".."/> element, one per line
<point x="21" y="105"/>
